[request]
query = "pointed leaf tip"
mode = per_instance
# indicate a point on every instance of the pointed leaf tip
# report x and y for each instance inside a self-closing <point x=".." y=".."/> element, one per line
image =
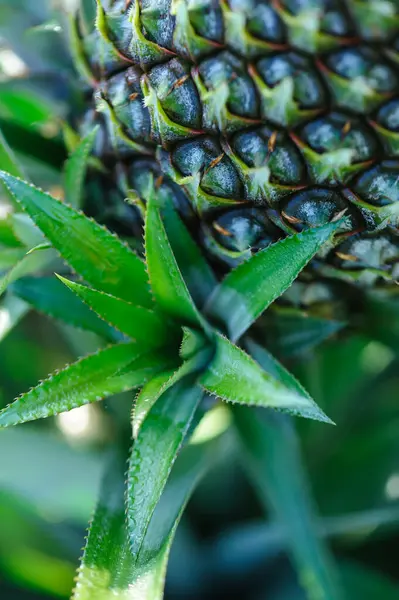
<point x="97" y="255"/>
<point x="250" y="288"/>
<point x="236" y="377"/>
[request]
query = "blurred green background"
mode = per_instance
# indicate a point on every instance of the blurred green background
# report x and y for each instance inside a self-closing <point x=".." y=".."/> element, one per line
<point x="225" y="546"/>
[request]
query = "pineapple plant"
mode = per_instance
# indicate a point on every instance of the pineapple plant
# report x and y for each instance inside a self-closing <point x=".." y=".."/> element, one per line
<point x="232" y="182"/>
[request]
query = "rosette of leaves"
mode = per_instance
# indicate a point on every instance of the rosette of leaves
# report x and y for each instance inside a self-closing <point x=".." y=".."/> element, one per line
<point x="176" y="335"/>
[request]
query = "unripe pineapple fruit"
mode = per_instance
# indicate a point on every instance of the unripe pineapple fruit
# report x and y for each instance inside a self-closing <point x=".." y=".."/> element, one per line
<point x="269" y="117"/>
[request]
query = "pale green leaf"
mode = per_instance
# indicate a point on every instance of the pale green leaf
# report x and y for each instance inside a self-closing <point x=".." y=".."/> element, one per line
<point x="12" y="310"/>
<point x="75" y="169"/>
<point x="51" y="297"/>
<point x="26" y="230"/>
<point x="34" y="261"/>
<point x="9" y="257"/>
<point x="167" y="283"/>
<point x="91" y="250"/>
<point x="141" y="324"/>
<point x="110" y="371"/>
<point x="154" y="451"/>
<point x="272" y="456"/>
<point x="248" y="290"/>
<point x="235" y="377"/>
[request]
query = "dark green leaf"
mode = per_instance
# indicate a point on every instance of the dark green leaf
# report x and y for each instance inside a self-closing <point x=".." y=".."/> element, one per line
<point x="154" y="451"/>
<point x="380" y="318"/>
<point x="248" y="290"/>
<point x="167" y="282"/>
<point x="235" y="377"/>
<point x="97" y="255"/>
<point x="141" y="324"/>
<point x="273" y="459"/>
<point x="50" y="296"/>
<point x="291" y="333"/>
<point x="362" y="582"/>
<point x="75" y="169"/>
<point x="109" y="371"/>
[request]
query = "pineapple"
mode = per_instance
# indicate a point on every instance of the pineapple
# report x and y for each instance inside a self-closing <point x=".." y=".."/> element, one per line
<point x="257" y="122"/>
<point x="271" y="117"/>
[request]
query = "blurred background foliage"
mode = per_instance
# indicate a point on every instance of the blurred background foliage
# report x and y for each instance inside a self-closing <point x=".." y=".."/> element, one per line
<point x="225" y="546"/>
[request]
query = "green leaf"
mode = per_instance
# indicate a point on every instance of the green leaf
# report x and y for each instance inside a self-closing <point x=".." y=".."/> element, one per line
<point x="272" y="457"/>
<point x="380" y="318"/>
<point x="110" y="371"/>
<point x="75" y="169"/>
<point x="292" y="333"/>
<point x="141" y="324"/>
<point x="8" y="162"/>
<point x="97" y="255"/>
<point x="167" y="283"/>
<point x="26" y="230"/>
<point x="368" y="584"/>
<point x="109" y="569"/>
<point x="154" y="389"/>
<point x="154" y="451"/>
<point x="34" y="261"/>
<point x="248" y="290"/>
<point x="8" y="236"/>
<point x="50" y="296"/>
<point x="275" y="368"/>
<point x="150" y="568"/>
<point x="12" y="310"/>
<point x="235" y="377"/>
<point x="195" y="270"/>
<point x="147" y="397"/>
<point x="9" y="257"/>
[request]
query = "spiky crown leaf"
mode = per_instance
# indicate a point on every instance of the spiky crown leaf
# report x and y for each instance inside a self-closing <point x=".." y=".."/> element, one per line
<point x="175" y="349"/>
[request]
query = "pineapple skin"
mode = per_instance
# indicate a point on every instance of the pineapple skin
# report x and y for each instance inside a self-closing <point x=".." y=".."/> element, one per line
<point x="261" y="118"/>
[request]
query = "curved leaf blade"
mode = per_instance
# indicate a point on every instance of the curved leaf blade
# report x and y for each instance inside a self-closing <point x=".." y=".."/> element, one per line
<point x="272" y="457"/>
<point x="49" y="296"/>
<point x="141" y="324"/>
<point x="235" y="377"/>
<point x="248" y="290"/>
<point x="91" y="250"/>
<point x="167" y="283"/>
<point x="35" y="260"/>
<point x="109" y="569"/>
<point x="195" y="270"/>
<point x="191" y="465"/>
<point x="8" y="161"/>
<point x="110" y="371"/>
<point x="75" y="169"/>
<point x="154" y="452"/>
<point x="154" y="389"/>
